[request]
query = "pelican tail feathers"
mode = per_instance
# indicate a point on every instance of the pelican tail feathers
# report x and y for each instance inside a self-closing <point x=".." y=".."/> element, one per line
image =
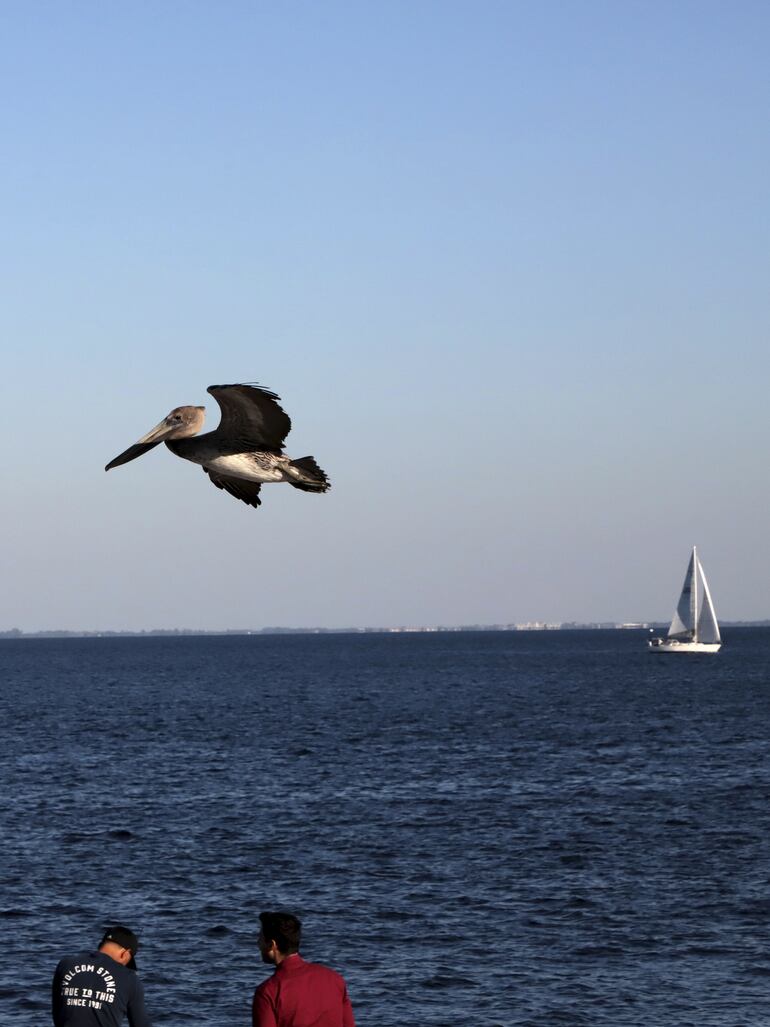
<point x="305" y="474"/>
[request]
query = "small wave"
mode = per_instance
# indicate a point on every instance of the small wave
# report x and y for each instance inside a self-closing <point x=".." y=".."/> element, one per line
<point x="121" y="835"/>
<point x="599" y="950"/>
<point x="445" y="981"/>
<point x="708" y="950"/>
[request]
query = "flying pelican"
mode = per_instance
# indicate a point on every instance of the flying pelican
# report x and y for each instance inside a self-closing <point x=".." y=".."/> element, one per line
<point x="244" y="452"/>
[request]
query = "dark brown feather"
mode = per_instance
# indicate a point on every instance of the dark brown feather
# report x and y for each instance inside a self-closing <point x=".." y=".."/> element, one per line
<point x="246" y="491"/>
<point x="252" y="419"/>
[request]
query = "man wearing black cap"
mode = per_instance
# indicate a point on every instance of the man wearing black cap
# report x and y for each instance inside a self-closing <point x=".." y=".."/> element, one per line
<point x="99" y="989"/>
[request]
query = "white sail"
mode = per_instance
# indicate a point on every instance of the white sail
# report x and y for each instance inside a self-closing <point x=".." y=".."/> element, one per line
<point x="683" y="621"/>
<point x="708" y="629"/>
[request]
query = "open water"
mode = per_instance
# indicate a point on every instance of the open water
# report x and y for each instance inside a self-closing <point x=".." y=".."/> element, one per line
<point x="480" y="829"/>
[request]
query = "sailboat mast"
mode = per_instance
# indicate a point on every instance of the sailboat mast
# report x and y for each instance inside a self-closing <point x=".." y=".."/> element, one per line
<point x="694" y="593"/>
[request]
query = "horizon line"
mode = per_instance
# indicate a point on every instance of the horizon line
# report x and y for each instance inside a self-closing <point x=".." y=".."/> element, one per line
<point x="12" y="633"/>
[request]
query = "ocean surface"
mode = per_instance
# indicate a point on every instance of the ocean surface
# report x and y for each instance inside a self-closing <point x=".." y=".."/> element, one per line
<point x="480" y="828"/>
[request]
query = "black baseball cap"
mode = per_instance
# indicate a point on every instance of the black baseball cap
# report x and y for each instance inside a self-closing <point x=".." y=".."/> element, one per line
<point x="125" y="938"/>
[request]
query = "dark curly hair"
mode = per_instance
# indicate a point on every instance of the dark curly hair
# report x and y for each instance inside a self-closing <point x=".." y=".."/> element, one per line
<point x="282" y="928"/>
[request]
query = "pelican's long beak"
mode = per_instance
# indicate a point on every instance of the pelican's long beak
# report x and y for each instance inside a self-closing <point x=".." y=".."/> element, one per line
<point x="147" y="442"/>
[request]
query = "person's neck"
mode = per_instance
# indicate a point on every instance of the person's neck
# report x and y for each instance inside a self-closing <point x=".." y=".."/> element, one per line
<point x="280" y="956"/>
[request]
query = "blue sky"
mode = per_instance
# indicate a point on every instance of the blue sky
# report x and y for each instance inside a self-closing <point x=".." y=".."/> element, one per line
<point x="505" y="263"/>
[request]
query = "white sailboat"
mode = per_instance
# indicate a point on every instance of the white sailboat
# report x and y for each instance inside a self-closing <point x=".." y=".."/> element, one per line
<point x="694" y="627"/>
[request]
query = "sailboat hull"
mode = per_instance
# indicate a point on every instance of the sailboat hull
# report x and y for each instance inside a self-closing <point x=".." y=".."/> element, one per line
<point x="671" y="645"/>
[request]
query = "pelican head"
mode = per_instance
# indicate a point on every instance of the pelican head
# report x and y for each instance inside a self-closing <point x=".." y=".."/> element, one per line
<point x="181" y="423"/>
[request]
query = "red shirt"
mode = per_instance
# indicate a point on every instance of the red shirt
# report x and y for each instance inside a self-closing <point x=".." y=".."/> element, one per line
<point x="301" y="994"/>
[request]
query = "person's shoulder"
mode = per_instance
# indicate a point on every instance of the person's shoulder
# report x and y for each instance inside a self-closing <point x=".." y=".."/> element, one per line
<point x="321" y="970"/>
<point x="95" y="958"/>
<point x="77" y="958"/>
<point x="266" y="986"/>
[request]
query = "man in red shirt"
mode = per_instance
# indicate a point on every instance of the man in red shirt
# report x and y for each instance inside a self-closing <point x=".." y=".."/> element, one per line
<point x="299" y="994"/>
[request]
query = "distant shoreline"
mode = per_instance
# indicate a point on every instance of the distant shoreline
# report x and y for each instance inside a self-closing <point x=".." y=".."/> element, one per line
<point x="17" y="633"/>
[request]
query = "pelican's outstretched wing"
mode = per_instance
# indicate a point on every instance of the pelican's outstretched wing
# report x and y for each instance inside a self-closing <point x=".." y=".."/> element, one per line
<point x="246" y="491"/>
<point x="251" y="419"/>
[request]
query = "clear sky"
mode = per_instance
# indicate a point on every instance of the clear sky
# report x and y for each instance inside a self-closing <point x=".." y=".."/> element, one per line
<point x="506" y="264"/>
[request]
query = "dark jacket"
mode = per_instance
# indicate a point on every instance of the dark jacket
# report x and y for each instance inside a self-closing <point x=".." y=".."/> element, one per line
<point x="91" y="989"/>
